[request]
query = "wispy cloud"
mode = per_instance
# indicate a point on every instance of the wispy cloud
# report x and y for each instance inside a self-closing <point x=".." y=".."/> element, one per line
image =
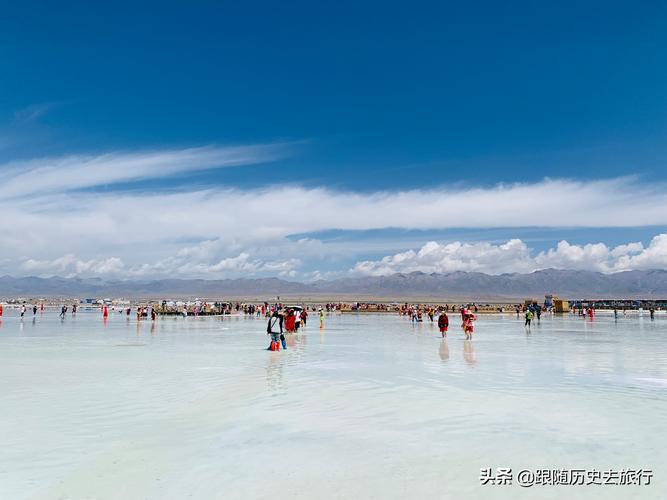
<point x="57" y="175"/>
<point x="56" y="227"/>
<point x="34" y="111"/>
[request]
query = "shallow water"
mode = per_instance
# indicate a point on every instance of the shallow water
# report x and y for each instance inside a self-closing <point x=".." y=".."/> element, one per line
<point x="370" y="407"/>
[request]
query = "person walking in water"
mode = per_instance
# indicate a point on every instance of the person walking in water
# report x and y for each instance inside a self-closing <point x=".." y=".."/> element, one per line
<point x="23" y="310"/>
<point x="63" y="310"/>
<point x="443" y="323"/>
<point x="529" y="317"/>
<point x="297" y="320"/>
<point x="468" y="326"/>
<point x="275" y="323"/>
<point x="321" y="319"/>
<point x="290" y="321"/>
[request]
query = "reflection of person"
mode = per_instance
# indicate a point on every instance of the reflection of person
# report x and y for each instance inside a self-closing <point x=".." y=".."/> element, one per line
<point x="444" y="350"/>
<point x="469" y="352"/>
<point x="274" y="372"/>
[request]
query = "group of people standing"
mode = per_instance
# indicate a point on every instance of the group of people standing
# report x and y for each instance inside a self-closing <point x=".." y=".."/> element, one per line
<point x="64" y="308"/>
<point x="286" y="320"/>
<point x="417" y="312"/>
<point x="532" y="311"/>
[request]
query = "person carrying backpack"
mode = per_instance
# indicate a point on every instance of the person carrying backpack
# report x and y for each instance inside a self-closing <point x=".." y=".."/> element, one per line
<point x="275" y="323"/>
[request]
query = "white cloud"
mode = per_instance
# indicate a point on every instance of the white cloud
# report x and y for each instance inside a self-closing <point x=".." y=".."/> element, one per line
<point x="53" y="175"/>
<point x="653" y="257"/>
<point x="435" y="257"/>
<point x="189" y="265"/>
<point x="221" y="232"/>
<point x="34" y="111"/>
<point x="515" y="256"/>
<point x="70" y="266"/>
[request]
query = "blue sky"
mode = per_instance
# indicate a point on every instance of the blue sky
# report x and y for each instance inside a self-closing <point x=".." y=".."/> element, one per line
<point x="360" y="99"/>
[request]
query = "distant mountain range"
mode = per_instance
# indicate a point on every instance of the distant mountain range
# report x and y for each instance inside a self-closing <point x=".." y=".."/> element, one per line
<point x="454" y="285"/>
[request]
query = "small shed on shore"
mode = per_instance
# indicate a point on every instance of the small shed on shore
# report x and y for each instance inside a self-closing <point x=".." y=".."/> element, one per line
<point x="561" y="306"/>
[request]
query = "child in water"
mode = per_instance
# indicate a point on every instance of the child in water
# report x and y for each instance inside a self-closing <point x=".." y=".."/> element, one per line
<point x="529" y="318"/>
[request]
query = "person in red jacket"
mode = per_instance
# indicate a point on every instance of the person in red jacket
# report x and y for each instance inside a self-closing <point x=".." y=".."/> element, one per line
<point x="290" y="321"/>
<point x="443" y="323"/>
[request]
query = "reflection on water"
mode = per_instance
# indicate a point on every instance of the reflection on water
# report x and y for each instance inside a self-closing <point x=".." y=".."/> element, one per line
<point x="274" y="372"/>
<point x="200" y="408"/>
<point x="469" y="352"/>
<point x="443" y="350"/>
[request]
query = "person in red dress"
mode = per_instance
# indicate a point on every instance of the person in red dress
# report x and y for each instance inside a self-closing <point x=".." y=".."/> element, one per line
<point x="443" y="323"/>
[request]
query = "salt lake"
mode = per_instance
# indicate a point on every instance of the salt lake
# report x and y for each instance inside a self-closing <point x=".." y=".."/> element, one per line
<point x="371" y="406"/>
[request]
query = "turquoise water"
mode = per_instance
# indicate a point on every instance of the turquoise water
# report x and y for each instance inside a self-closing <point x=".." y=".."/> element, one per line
<point x="370" y="407"/>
